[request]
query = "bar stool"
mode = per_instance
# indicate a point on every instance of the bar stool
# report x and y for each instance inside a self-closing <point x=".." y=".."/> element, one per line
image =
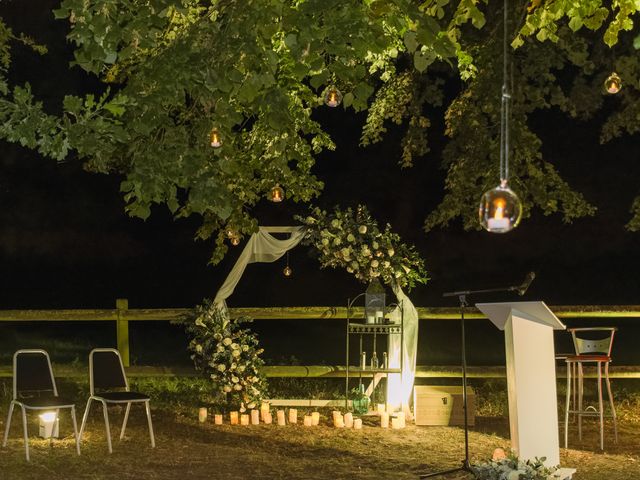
<point x="589" y="350"/>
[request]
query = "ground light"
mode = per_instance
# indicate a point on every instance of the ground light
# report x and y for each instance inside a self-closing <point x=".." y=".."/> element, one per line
<point x="49" y="425"/>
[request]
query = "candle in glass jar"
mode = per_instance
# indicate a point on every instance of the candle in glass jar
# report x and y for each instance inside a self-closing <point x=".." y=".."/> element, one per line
<point x="268" y="419"/>
<point x="255" y="417"/>
<point x="280" y="416"/>
<point x="233" y="417"/>
<point x="348" y="420"/>
<point x="202" y="414"/>
<point x="357" y="424"/>
<point x="217" y="419"/>
<point x="293" y="416"/>
<point x="244" y="419"/>
<point x="384" y="420"/>
<point x="264" y="409"/>
<point x="307" y="421"/>
<point x="315" y="418"/>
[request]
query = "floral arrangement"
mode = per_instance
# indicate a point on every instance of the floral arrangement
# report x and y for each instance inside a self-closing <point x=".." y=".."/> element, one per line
<point x="354" y="241"/>
<point x="503" y="467"/>
<point x="227" y="354"/>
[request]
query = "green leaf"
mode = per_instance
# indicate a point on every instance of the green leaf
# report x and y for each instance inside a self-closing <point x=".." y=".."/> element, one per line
<point x="347" y="100"/>
<point x="410" y="41"/>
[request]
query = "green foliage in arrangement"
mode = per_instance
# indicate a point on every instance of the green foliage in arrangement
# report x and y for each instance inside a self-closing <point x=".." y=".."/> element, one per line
<point x="173" y="70"/>
<point x="511" y="468"/>
<point x="353" y="240"/>
<point x="227" y="354"/>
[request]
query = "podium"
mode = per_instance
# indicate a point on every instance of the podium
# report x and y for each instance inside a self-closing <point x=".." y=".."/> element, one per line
<point x="531" y="376"/>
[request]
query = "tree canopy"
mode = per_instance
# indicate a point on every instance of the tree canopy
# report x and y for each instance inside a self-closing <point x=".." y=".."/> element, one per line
<point x="256" y="71"/>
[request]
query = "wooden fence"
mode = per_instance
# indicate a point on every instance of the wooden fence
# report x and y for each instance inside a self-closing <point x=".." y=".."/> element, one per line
<point x="122" y="315"/>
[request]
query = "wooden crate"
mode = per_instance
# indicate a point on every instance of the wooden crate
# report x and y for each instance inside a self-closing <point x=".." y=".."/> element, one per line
<point x="442" y="405"/>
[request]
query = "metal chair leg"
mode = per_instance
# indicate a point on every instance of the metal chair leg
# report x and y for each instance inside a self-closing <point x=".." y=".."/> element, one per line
<point x="106" y="425"/>
<point x="600" y="405"/>
<point x="580" y="398"/>
<point x="85" y="416"/>
<point x="153" y="438"/>
<point x="124" y="422"/>
<point x="75" y="428"/>
<point x="8" y="425"/>
<point x="24" y="431"/>
<point x="567" y="405"/>
<point x="613" y="408"/>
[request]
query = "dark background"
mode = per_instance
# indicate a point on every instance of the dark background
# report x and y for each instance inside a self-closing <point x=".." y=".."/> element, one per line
<point x="65" y="241"/>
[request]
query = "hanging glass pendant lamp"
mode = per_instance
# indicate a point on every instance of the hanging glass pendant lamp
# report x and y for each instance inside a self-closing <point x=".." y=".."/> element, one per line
<point x="500" y="208"/>
<point x="613" y="83"/>
<point x="287" y="271"/>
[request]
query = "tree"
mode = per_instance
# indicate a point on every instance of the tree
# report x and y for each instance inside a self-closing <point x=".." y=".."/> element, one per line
<point x="174" y="70"/>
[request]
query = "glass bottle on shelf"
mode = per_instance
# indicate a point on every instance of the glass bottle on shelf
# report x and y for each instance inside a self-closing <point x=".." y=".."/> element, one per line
<point x="363" y="360"/>
<point x="385" y="360"/>
<point x="374" y="361"/>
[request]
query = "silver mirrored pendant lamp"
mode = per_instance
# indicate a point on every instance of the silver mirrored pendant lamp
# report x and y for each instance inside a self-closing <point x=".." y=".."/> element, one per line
<point x="500" y="208"/>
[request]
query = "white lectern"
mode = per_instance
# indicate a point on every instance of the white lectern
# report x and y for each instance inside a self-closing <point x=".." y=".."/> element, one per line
<point x="531" y="376"/>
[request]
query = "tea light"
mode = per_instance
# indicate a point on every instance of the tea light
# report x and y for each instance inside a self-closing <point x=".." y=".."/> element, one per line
<point x="308" y="421"/>
<point x="293" y="416"/>
<point x="264" y="409"/>
<point x="357" y="424"/>
<point x="280" y="415"/>
<point x="255" y="417"/>
<point x="217" y="419"/>
<point x="244" y="419"/>
<point x="381" y="408"/>
<point x="268" y="419"/>
<point x="315" y="418"/>
<point x="233" y="416"/>
<point x="348" y="420"/>
<point x="338" y="421"/>
<point x="202" y="414"/>
<point x="395" y="423"/>
<point x="384" y="420"/>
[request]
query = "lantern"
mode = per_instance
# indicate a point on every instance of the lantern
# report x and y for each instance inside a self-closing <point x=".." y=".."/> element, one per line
<point x="276" y="194"/>
<point x="613" y="83"/>
<point x="332" y="97"/>
<point x="500" y="209"/>
<point x="49" y="425"/>
<point x="214" y="138"/>
<point x="374" y="302"/>
<point x="235" y="241"/>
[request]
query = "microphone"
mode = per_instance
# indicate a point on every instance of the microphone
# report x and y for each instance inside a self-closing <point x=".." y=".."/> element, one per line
<point x="527" y="282"/>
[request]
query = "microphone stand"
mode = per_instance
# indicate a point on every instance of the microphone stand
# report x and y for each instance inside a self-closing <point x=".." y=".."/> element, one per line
<point x="462" y="298"/>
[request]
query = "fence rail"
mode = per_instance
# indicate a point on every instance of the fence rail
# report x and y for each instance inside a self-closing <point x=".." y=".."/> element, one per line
<point x="122" y="315"/>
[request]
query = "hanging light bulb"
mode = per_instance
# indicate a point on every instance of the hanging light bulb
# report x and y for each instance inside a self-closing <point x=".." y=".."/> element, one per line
<point x="332" y="97"/>
<point x="500" y="208"/>
<point x="276" y="194"/>
<point x="235" y="241"/>
<point x="287" y="271"/>
<point x="613" y="83"/>
<point x="230" y="232"/>
<point x="214" y="138"/>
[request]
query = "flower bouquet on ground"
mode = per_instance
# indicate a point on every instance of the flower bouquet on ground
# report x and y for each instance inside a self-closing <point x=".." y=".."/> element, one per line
<point x="503" y="467"/>
<point x="227" y="354"/>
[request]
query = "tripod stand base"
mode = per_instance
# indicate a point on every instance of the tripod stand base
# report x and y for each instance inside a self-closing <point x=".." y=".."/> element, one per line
<point x="465" y="467"/>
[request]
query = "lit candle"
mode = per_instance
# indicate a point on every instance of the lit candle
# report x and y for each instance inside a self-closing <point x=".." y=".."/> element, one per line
<point x="202" y="414"/>
<point x="338" y="422"/>
<point x="244" y="419"/>
<point x="217" y="419"/>
<point x="255" y="417"/>
<point x="280" y="416"/>
<point x="307" y="421"/>
<point x="381" y="408"/>
<point x="293" y="416"/>
<point x="233" y="416"/>
<point x="348" y="420"/>
<point x="498" y="221"/>
<point x="264" y="409"/>
<point x="268" y="419"/>
<point x="384" y="420"/>
<point x="357" y="424"/>
<point x="315" y="418"/>
<point x="395" y="422"/>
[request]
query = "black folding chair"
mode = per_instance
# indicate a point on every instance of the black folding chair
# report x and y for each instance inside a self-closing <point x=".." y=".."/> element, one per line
<point x="34" y="388"/>
<point x="106" y="373"/>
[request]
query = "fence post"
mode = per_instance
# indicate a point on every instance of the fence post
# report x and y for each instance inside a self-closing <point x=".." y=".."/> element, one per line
<point x="122" y="329"/>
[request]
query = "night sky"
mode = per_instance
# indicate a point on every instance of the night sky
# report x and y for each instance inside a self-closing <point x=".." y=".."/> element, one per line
<point x="65" y="241"/>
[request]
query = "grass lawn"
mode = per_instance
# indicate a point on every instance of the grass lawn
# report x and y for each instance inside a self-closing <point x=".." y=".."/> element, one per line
<point x="188" y="450"/>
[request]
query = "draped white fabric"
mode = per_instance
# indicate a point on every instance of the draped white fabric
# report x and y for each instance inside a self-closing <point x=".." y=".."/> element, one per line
<point x="400" y="385"/>
<point x="264" y="247"/>
<point x="261" y="247"/>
